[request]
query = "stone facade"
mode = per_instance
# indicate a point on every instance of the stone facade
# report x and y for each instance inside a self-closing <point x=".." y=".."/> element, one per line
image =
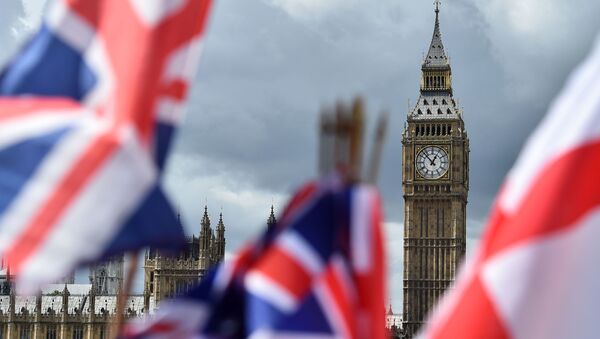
<point x="393" y="322"/>
<point x="107" y="277"/>
<point x="78" y="311"/>
<point x="435" y="180"/>
<point x="64" y="311"/>
<point x="167" y="276"/>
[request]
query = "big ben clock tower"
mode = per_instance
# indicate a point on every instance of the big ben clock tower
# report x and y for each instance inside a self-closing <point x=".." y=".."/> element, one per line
<point x="435" y="180"/>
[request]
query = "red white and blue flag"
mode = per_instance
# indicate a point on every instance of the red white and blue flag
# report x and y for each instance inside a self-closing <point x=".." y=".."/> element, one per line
<point x="318" y="274"/>
<point x="536" y="273"/>
<point x="87" y="112"/>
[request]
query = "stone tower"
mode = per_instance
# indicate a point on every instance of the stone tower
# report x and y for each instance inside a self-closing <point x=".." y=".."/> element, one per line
<point x="435" y="180"/>
<point x="219" y="246"/>
<point x="166" y="276"/>
<point x="107" y="277"/>
<point x="206" y="240"/>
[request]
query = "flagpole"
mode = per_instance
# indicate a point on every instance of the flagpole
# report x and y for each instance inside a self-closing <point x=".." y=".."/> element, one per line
<point x="124" y="293"/>
<point x="342" y="142"/>
<point x="356" y="140"/>
<point x="375" y="160"/>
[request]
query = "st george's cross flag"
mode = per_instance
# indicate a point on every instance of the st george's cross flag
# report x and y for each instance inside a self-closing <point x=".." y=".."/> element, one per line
<point x="536" y="273"/>
<point x="318" y="274"/>
<point x="87" y="111"/>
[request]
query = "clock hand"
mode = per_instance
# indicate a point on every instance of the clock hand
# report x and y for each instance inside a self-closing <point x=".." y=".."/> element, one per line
<point x="432" y="162"/>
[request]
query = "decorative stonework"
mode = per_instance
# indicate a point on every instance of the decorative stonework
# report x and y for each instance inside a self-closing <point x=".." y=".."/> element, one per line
<point x="78" y="311"/>
<point x="166" y="276"/>
<point x="435" y="189"/>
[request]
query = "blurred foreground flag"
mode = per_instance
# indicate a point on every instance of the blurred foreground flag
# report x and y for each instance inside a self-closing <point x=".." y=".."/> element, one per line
<point x="318" y="274"/>
<point x="87" y="110"/>
<point x="536" y="273"/>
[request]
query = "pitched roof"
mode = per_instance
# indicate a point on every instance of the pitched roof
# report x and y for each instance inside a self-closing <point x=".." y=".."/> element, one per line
<point x="74" y="289"/>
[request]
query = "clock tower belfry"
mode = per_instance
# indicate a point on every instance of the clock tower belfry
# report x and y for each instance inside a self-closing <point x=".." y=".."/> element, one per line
<point x="435" y="181"/>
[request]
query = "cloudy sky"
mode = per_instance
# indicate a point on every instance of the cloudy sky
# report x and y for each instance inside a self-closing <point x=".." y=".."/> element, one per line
<point x="270" y="65"/>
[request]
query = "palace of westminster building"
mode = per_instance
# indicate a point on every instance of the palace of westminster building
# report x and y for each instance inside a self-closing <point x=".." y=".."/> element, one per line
<point x="85" y="311"/>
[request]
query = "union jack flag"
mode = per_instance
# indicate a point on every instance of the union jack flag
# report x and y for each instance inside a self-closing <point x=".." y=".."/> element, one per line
<point x="319" y="274"/>
<point x="536" y="274"/>
<point x="87" y="111"/>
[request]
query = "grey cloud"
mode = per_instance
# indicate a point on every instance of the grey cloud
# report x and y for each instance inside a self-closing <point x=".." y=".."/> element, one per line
<point x="267" y="72"/>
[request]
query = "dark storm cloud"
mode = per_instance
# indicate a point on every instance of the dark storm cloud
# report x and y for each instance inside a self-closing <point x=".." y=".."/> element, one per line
<point x="269" y="66"/>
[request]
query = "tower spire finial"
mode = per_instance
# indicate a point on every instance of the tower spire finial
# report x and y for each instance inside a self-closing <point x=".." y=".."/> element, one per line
<point x="437" y="4"/>
<point x="272" y="220"/>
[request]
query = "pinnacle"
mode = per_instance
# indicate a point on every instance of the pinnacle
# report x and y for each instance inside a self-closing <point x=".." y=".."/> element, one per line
<point x="436" y="57"/>
<point x="205" y="219"/>
<point x="221" y="225"/>
<point x="272" y="220"/>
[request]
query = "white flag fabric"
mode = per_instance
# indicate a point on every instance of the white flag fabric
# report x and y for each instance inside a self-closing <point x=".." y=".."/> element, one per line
<point x="536" y="273"/>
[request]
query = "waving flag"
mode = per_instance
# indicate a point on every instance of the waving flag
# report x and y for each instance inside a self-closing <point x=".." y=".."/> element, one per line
<point x="87" y="110"/>
<point x="536" y="274"/>
<point x="318" y="274"/>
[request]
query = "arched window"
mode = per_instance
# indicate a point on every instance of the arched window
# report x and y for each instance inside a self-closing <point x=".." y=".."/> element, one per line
<point x="429" y="111"/>
<point x="440" y="111"/>
<point x="449" y="111"/>
<point x="419" y="112"/>
<point x="444" y="102"/>
<point x="435" y="102"/>
<point x="425" y="102"/>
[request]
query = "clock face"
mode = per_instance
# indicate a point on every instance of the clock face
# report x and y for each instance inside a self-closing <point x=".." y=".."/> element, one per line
<point x="432" y="162"/>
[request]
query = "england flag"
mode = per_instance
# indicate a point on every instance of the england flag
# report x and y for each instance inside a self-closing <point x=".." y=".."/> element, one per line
<point x="318" y="274"/>
<point x="87" y="112"/>
<point x="536" y="273"/>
